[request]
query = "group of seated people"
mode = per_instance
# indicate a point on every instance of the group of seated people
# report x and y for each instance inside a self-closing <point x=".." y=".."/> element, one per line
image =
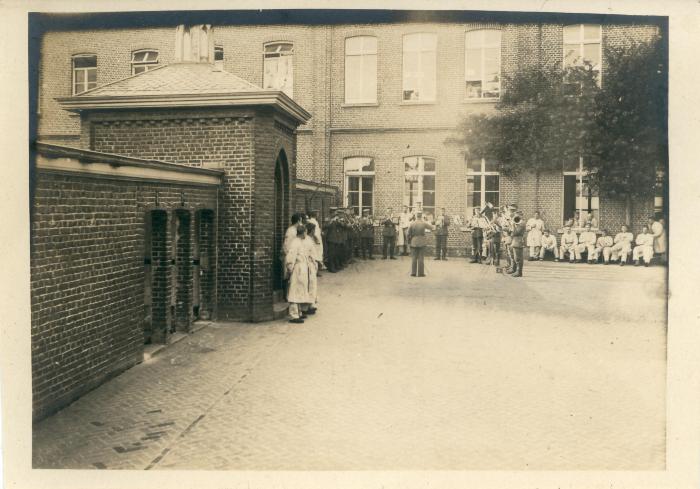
<point x="651" y="240"/>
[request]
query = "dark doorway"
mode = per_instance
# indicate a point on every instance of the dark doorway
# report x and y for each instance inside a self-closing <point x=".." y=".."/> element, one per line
<point x="182" y="276"/>
<point x="157" y="264"/>
<point x="281" y="219"/>
<point x="203" y="265"/>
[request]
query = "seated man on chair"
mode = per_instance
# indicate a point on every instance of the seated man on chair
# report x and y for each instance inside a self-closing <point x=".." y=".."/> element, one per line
<point x="623" y="245"/>
<point x="548" y="244"/>
<point x="569" y="244"/>
<point x="586" y="242"/>
<point x="604" y="246"/>
<point x="645" y="247"/>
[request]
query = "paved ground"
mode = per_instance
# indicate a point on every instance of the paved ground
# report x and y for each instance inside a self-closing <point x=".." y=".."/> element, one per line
<point x="464" y="369"/>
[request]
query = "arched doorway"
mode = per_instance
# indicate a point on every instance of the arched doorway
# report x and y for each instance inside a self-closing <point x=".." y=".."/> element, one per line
<point x="281" y="218"/>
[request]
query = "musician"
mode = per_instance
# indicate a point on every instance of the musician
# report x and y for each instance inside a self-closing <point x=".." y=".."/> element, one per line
<point x="586" y="242"/>
<point x="518" y="242"/>
<point x="494" y="236"/>
<point x="404" y="221"/>
<point x="623" y="245"/>
<point x="548" y="244"/>
<point x="388" y="234"/>
<point x="603" y="245"/>
<point x="366" y="235"/>
<point x="645" y="247"/>
<point x="534" y="227"/>
<point x="476" y="226"/>
<point x="568" y="244"/>
<point x="507" y="226"/>
<point x="442" y="223"/>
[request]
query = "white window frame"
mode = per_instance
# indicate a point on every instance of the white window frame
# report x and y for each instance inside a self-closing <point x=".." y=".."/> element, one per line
<point x="148" y="64"/>
<point x="359" y="174"/>
<point x="419" y="175"/>
<point x="82" y="72"/>
<point x="581" y="173"/>
<point x="421" y="73"/>
<point x="581" y="42"/>
<point x="482" y="47"/>
<point x="366" y="57"/>
<point x="219" y="63"/>
<point x="482" y="174"/>
<point x="289" y="90"/>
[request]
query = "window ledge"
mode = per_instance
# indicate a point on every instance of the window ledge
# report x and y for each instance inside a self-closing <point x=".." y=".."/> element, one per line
<point x="481" y="100"/>
<point x="360" y="104"/>
<point x="418" y="102"/>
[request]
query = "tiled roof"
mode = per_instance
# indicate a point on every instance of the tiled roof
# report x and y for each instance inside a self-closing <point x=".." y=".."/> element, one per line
<point x="175" y="79"/>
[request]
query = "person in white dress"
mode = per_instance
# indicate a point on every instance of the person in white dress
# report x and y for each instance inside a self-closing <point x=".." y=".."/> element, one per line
<point x="657" y="229"/>
<point x="318" y="238"/>
<point x="297" y="274"/>
<point x="534" y="227"/>
<point x="310" y="245"/>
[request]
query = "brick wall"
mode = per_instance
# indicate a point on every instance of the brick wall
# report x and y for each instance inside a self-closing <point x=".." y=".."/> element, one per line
<point x="88" y="279"/>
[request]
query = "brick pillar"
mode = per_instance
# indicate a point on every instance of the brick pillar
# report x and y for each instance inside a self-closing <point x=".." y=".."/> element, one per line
<point x="205" y="240"/>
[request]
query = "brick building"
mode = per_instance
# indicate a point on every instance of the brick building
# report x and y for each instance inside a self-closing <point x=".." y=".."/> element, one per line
<point x="379" y="98"/>
<point x="384" y="98"/>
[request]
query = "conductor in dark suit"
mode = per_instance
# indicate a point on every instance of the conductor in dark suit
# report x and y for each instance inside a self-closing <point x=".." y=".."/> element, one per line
<point x="418" y="242"/>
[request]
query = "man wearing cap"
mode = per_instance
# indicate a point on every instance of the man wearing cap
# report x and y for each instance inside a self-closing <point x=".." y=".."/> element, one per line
<point x="418" y="241"/>
<point x="388" y="235"/>
<point x="334" y="238"/>
<point x="518" y="243"/>
<point x="441" y="224"/>
<point x="366" y="235"/>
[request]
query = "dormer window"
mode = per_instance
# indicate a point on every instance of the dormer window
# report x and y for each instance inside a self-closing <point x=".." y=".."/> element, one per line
<point x="143" y="61"/>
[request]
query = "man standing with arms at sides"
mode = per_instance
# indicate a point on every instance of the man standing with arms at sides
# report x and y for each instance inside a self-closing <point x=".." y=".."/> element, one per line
<point x="657" y="229"/>
<point x="334" y="238"/>
<point x="586" y="242"/>
<point x="388" y="235"/>
<point x="442" y="224"/>
<point x="623" y="245"/>
<point x="517" y="243"/>
<point x="418" y="241"/>
<point x="534" y="228"/>
<point x="404" y="222"/>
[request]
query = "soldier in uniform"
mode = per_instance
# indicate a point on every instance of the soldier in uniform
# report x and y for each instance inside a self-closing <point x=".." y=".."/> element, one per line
<point x="645" y="247"/>
<point x="623" y="245"/>
<point x="518" y="243"/>
<point x="419" y="241"/>
<point x="388" y="235"/>
<point x="476" y="226"/>
<point x="442" y="224"/>
<point x="367" y="235"/>
<point x="335" y="239"/>
<point x="586" y="242"/>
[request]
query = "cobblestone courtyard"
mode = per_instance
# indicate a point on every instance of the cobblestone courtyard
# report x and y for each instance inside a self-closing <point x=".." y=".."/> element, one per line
<point x="465" y="369"/>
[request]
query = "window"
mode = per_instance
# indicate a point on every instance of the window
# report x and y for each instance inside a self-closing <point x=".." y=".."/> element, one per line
<point x="582" y="42"/>
<point x="84" y="73"/>
<point x="578" y="195"/>
<point x="360" y="70"/>
<point x="359" y="184"/>
<point x="483" y="184"/>
<point x="279" y="67"/>
<point x="219" y="57"/>
<point x="419" y="184"/>
<point x="419" y="67"/>
<point x="483" y="63"/>
<point x="143" y="61"/>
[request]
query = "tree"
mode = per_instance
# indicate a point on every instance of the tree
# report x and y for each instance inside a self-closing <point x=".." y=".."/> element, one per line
<point x="631" y="122"/>
<point x="548" y="116"/>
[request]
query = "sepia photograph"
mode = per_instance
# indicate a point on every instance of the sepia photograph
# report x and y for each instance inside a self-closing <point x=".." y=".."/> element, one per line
<point x="357" y="239"/>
